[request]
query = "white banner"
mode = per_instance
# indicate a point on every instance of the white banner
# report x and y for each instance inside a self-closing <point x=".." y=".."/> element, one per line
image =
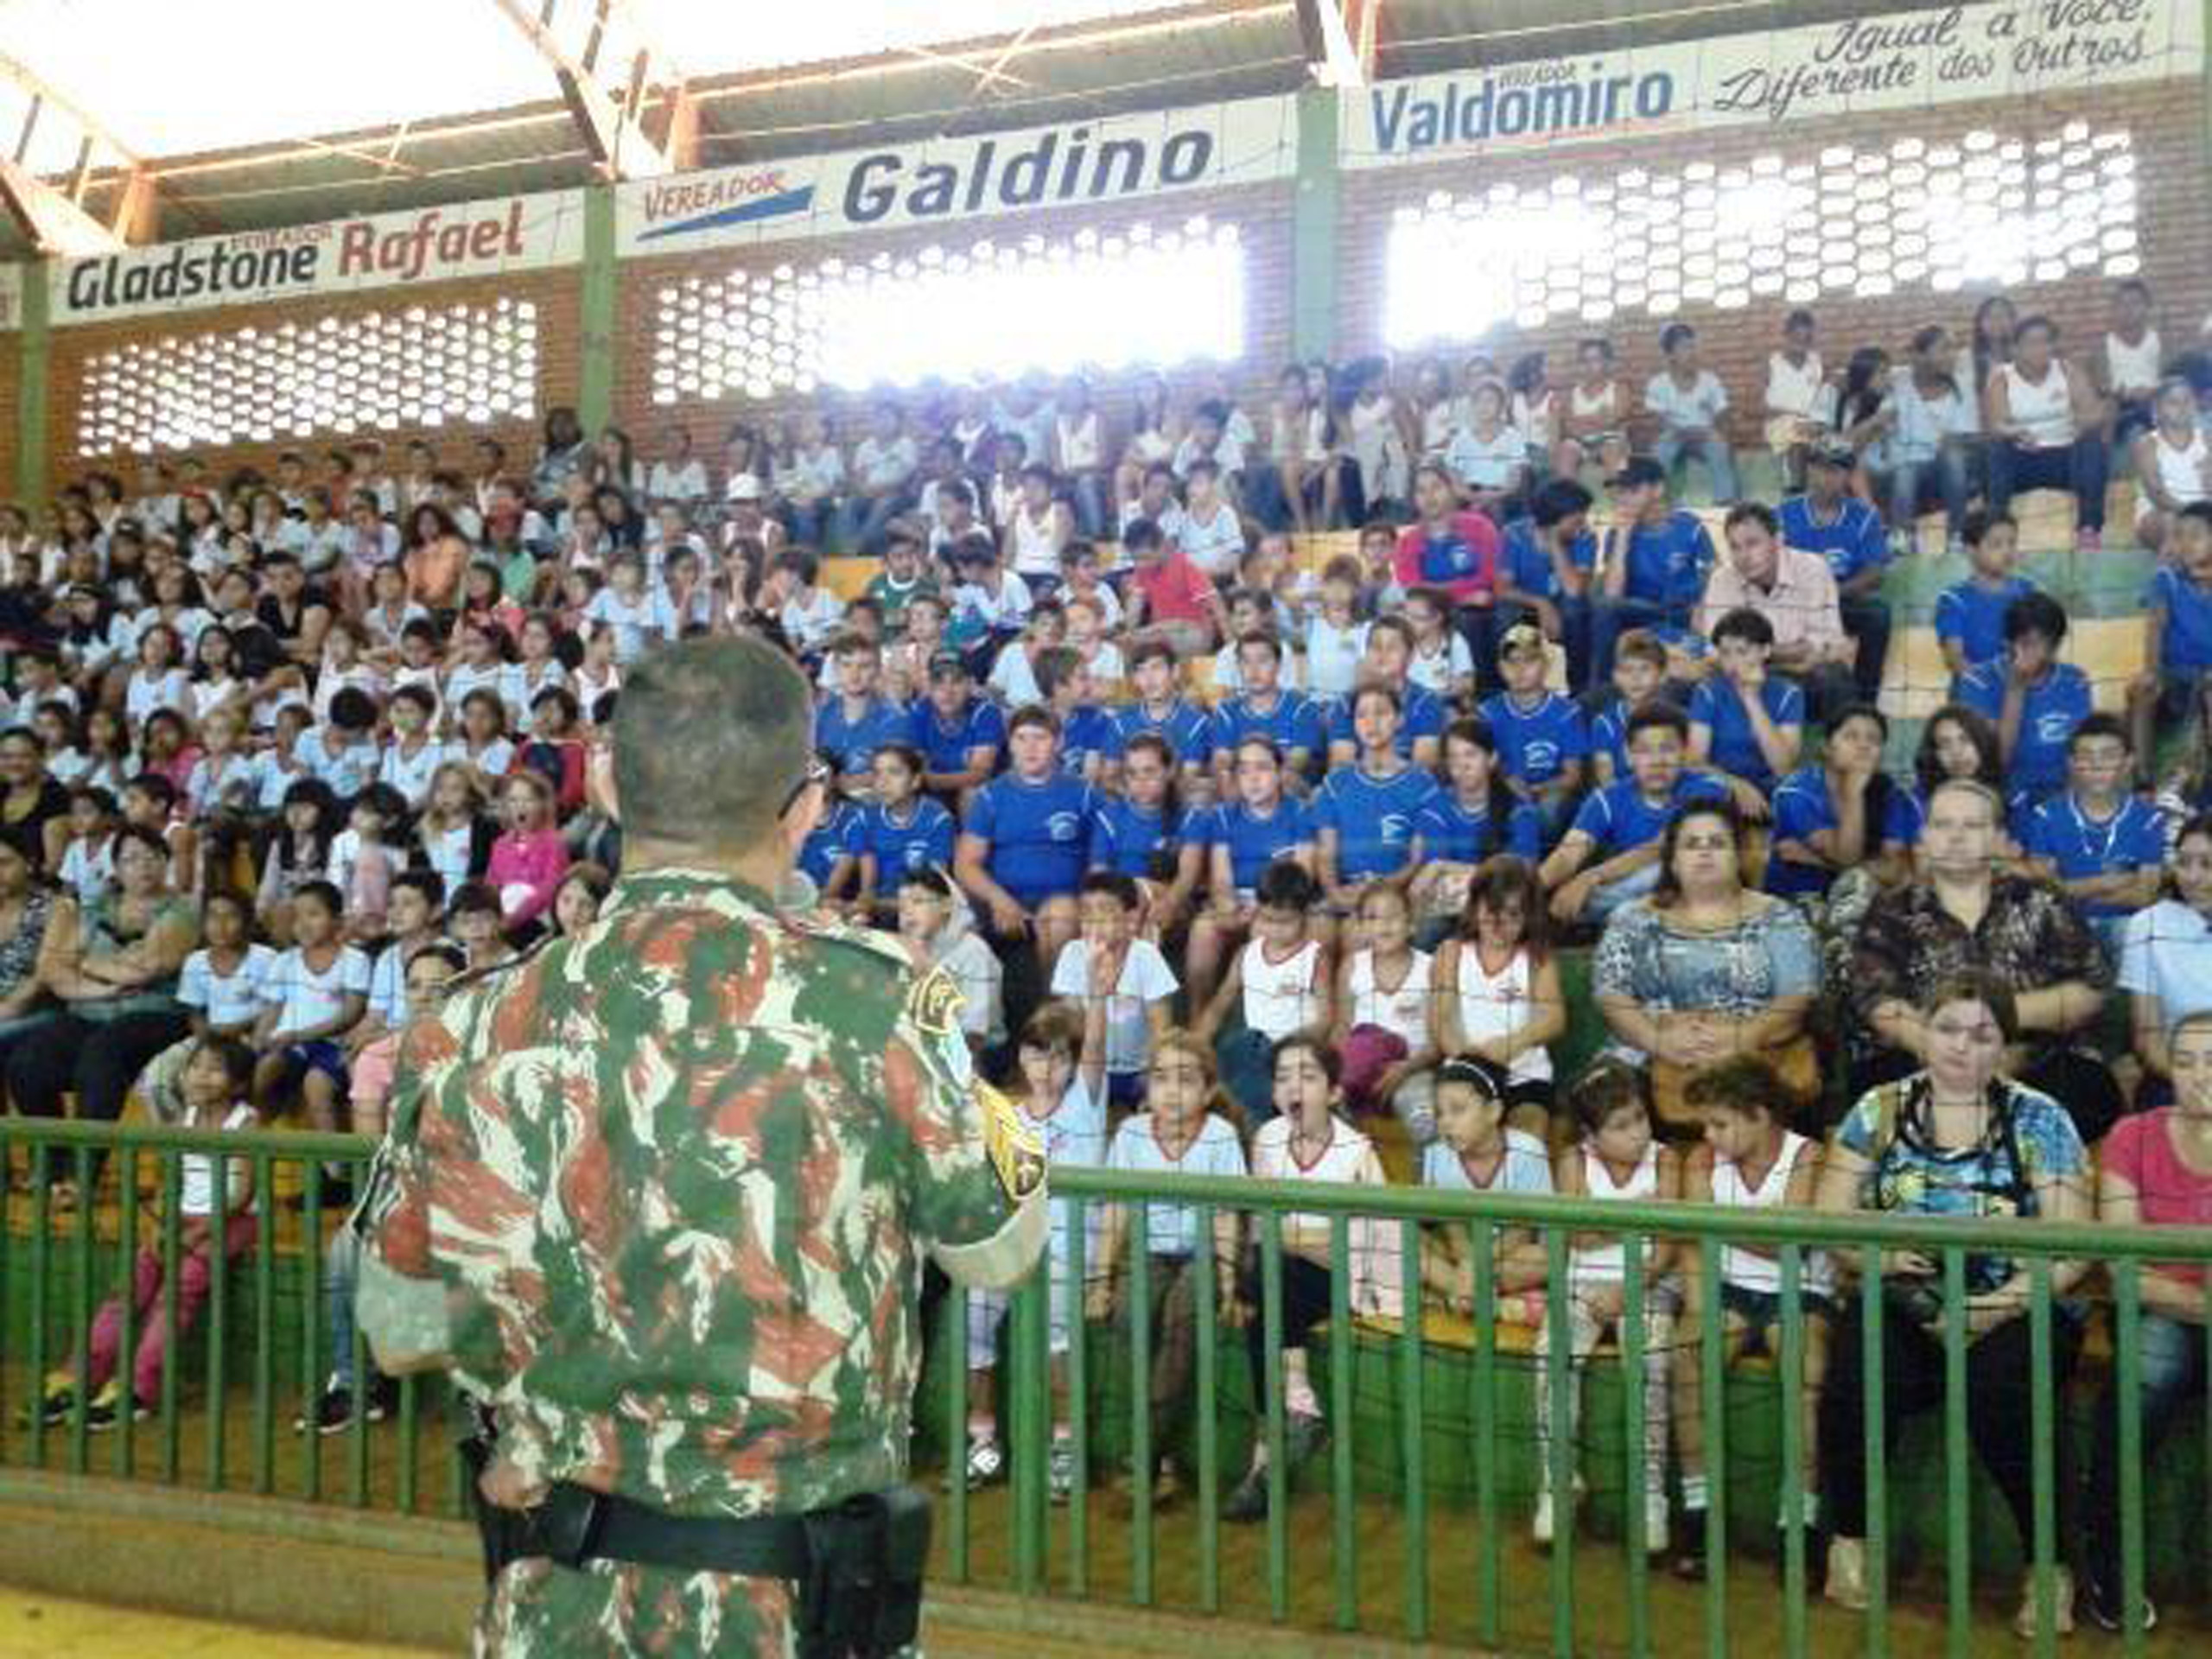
<point x="1907" y="60"/>
<point x="11" y="297"/>
<point x="1077" y="164"/>
<point x="471" y="238"/>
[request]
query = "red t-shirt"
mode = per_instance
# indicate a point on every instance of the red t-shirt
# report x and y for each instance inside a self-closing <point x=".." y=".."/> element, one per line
<point x="1462" y="561"/>
<point x="2141" y="1151"/>
<point x="1175" y="589"/>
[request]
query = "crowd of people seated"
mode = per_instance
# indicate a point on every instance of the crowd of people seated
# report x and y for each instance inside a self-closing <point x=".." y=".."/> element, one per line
<point x="1245" y="859"/>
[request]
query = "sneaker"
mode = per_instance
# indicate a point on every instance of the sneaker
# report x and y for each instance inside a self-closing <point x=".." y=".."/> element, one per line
<point x="986" y="1464"/>
<point x="54" y="1407"/>
<point x="1847" y="1585"/>
<point x="2023" y="1622"/>
<point x="1543" y="1525"/>
<point x="1248" y="1502"/>
<point x="2106" y="1610"/>
<point x="1060" y="1470"/>
<point x="110" y="1406"/>
<point x="1654" y="1523"/>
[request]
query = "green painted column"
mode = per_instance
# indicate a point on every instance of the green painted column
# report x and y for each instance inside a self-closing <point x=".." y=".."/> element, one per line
<point x="31" y="347"/>
<point x="1314" y="227"/>
<point x="596" y="326"/>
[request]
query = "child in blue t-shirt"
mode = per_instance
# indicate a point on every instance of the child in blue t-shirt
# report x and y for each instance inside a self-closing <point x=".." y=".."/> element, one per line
<point x="1970" y="617"/>
<point x="961" y="735"/>
<point x="1745" y="720"/>
<point x="1145" y="834"/>
<point x="1024" y="847"/>
<point x="2104" y="846"/>
<point x="1612" y="853"/>
<point x="2180" y="629"/>
<point x="1263" y="709"/>
<point x="1540" y="739"/>
<point x="831" y="855"/>
<point x="856" y="718"/>
<point x="1160" y="708"/>
<point x="1365" y="813"/>
<point x="2034" y="700"/>
<point x="1474" y="817"/>
<point x="1086" y="730"/>
<point x="1639" y="677"/>
<point x="903" y="831"/>
<point x="1829" y="817"/>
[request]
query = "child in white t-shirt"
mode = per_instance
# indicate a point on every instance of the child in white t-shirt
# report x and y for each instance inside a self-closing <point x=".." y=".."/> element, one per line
<point x="1280" y="981"/>
<point x="1477" y="1151"/>
<point x="1307" y="1140"/>
<point x="313" y="994"/>
<point x="219" y="989"/>
<point x="1110" y="906"/>
<point x="935" y="927"/>
<point x="1060" y="1089"/>
<point x="1182" y="1130"/>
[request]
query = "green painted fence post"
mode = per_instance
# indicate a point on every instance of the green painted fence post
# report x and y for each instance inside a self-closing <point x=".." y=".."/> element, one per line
<point x="1313" y="251"/>
<point x="595" y="326"/>
<point x="32" y="346"/>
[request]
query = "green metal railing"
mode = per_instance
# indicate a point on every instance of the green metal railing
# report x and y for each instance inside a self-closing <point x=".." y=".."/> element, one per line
<point x="1418" y="1503"/>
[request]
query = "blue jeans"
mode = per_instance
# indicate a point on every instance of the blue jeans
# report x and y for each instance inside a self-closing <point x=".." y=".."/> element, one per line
<point x="1719" y="462"/>
<point x="1088" y="490"/>
<point x="863" y="518"/>
<point x="341" y="1278"/>
<point x="807" y="522"/>
<point x="2171" y="1369"/>
<point x="2080" y="469"/>
<point x="1941" y="477"/>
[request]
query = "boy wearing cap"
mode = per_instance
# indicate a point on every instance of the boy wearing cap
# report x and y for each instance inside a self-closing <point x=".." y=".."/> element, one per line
<point x="1828" y="520"/>
<point x="1651" y="561"/>
<point x="1541" y="740"/>
<point x="961" y="735"/>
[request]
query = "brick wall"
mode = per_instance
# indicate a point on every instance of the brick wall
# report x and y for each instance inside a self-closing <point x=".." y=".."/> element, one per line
<point x="555" y="292"/>
<point x="10" y="370"/>
<point x="1262" y="214"/>
<point x="2174" y="217"/>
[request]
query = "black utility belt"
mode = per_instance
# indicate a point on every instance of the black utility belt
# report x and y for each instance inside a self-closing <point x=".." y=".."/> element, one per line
<point x="856" y="1567"/>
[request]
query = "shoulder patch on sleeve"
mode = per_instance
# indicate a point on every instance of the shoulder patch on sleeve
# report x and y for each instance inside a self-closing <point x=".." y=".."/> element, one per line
<point x="1017" y="1154"/>
<point x="935" y="1002"/>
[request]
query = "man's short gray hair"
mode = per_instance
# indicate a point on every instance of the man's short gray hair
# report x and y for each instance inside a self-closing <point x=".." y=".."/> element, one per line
<point x="711" y="735"/>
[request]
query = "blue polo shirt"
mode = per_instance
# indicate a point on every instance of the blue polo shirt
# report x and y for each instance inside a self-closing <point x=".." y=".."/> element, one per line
<point x="1373" y="818"/>
<point x="2187" y="641"/>
<point x="1129" y="839"/>
<point x="1529" y="565"/>
<point x="2132" y="839"/>
<point x="1608" y="734"/>
<point x="1089" y="731"/>
<point x="1424" y="717"/>
<point x="1039" y="833"/>
<point x="1619" y="820"/>
<point x="854" y="741"/>
<point x="1801" y="807"/>
<point x="838" y="835"/>
<point x="1851" y="541"/>
<point x="1450" y="831"/>
<point x="1187" y="727"/>
<point x="917" y="839"/>
<point x="945" y="743"/>
<point x="1256" y="842"/>
<point x="1294" y="722"/>
<point x="1536" y="744"/>
<point x="1974" y="616"/>
<point x="2055" y="706"/>
<point x="1716" y="704"/>
<point x="1668" y="562"/>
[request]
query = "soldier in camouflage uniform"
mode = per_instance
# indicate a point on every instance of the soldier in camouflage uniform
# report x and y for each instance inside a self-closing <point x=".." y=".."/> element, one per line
<point x="659" y="1195"/>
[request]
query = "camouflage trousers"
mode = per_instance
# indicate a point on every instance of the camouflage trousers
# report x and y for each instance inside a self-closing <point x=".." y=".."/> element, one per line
<point x="538" y="1611"/>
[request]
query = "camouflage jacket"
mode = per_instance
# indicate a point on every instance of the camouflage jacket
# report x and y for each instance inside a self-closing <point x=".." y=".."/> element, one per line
<point x="676" y="1177"/>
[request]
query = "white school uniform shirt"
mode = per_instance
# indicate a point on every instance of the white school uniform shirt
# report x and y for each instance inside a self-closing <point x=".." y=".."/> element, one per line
<point x="214" y="775"/>
<point x="171" y="689"/>
<point x="1334" y="656"/>
<point x="1013" y="677"/>
<point x="685" y="481"/>
<point x="1698" y="405"/>
<point x="1607" y="1264"/>
<point x="982" y="982"/>
<point x="1744" y="1268"/>
<point x="1435" y="670"/>
<point x="1215" y="545"/>
<point x="1404" y="1011"/>
<point x="1486" y="463"/>
<point x="226" y="1000"/>
<point x="808" y="623"/>
<point x="1007" y="609"/>
<point x="1791" y="389"/>
<point x="385" y="630"/>
<point x="1146" y="978"/>
<point x="1279" y="997"/>
<point x="1492" y="1006"/>
<point x="518" y="689"/>
<point x="1110" y="604"/>
<point x="1537" y="423"/>
<point x="1172" y="1228"/>
<point x="2134" y="370"/>
<point x="1036" y="542"/>
<point x="410" y="774"/>
<point x="633" y="619"/>
<point x="88" y="871"/>
<point x="304" y="997"/>
<point x="1525" y="1168"/>
<point x="196" y="1171"/>
<point x="1082" y="447"/>
<point x="2044" y="410"/>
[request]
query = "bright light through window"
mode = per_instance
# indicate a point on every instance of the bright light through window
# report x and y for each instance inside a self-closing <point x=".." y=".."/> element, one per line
<point x="1859" y="222"/>
<point x="992" y="312"/>
<point x="459" y="364"/>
